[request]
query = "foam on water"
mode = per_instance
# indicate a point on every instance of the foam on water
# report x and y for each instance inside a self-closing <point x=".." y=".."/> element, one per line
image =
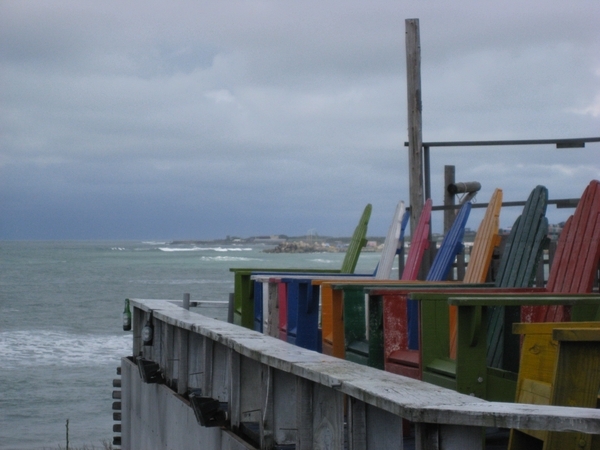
<point x="203" y="249"/>
<point x="28" y="348"/>
<point x="324" y="261"/>
<point x="228" y="258"/>
<point x="198" y="281"/>
<point x="171" y="281"/>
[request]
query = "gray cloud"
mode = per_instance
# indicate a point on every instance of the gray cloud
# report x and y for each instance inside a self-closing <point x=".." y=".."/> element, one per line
<point x="202" y="119"/>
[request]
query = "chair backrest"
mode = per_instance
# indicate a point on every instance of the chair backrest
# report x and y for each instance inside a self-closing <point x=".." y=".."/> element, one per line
<point x="419" y="242"/>
<point x="451" y="246"/>
<point x="486" y="240"/>
<point x="522" y="251"/>
<point x="390" y="245"/>
<point x="525" y="242"/>
<point x="358" y="241"/>
<point x="576" y="259"/>
<point x="354" y="318"/>
<point x="578" y="249"/>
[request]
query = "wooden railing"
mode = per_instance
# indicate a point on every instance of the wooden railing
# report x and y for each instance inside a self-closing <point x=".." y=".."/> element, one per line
<point x="276" y="394"/>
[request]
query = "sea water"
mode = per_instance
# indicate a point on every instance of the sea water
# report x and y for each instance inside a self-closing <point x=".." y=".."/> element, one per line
<point x="61" y="337"/>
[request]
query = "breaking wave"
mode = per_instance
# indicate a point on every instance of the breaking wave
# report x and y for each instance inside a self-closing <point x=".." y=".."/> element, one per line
<point x="204" y="249"/>
<point x="57" y="348"/>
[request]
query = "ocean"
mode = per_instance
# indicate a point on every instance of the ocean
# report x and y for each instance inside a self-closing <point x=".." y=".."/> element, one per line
<point x="61" y="338"/>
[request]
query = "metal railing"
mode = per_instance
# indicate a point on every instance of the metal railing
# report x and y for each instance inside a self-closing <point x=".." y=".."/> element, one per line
<point x="559" y="143"/>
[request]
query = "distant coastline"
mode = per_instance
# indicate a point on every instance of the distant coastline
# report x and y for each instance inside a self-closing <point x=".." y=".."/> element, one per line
<point x="304" y="247"/>
<point x="281" y="243"/>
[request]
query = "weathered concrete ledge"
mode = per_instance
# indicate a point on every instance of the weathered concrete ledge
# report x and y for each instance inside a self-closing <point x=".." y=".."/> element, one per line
<point x="290" y="393"/>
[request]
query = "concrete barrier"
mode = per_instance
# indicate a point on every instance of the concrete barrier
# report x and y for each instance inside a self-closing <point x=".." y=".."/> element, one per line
<point x="279" y="395"/>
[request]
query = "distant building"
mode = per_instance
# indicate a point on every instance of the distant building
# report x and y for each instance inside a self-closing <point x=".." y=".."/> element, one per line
<point x="274" y="239"/>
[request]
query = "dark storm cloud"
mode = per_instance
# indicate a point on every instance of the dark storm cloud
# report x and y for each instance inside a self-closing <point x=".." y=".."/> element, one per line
<point x="202" y="119"/>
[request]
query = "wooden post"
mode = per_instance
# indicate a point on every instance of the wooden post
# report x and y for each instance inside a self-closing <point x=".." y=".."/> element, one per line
<point x="415" y="138"/>
<point x="449" y="214"/>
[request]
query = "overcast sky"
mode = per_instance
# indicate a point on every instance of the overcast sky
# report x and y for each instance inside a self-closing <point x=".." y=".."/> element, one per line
<point x="201" y="119"/>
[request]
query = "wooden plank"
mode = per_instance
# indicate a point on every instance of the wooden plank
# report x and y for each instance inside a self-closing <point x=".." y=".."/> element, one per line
<point x="272" y="308"/>
<point x="451" y="246"/>
<point x="259" y="300"/>
<point x="481" y="256"/>
<point x="577" y="381"/>
<point x="282" y="303"/>
<point x="485" y="241"/>
<point x="304" y="414"/>
<point x="522" y="250"/>
<point x="354" y="318"/>
<point x="338" y="339"/>
<point x="327" y="319"/>
<point x="234" y="389"/>
<point x="390" y="245"/>
<point x="284" y="408"/>
<point x="308" y="317"/>
<point x="560" y="365"/>
<point x="418" y="244"/>
<point x="357" y="425"/>
<point x="207" y="366"/>
<point x="584" y="224"/>
<point x="384" y="430"/>
<point x="521" y="253"/>
<point x="195" y="360"/>
<point x="182" y="343"/>
<point x="577" y="255"/>
<point x="328" y="418"/>
<point x="293" y="292"/>
<point x="357" y="242"/>
<point x="546" y="329"/>
<point x="533" y="298"/>
<point x="577" y="334"/>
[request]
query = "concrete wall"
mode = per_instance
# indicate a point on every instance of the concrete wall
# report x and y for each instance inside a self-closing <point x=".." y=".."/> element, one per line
<point x="281" y="395"/>
<point x="156" y="418"/>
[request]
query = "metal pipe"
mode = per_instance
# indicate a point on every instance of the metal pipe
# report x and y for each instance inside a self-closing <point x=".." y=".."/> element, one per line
<point x="560" y="143"/>
<point x="461" y="188"/>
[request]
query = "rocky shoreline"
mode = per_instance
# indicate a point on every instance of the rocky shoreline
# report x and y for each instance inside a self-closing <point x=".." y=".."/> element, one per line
<point x="303" y="247"/>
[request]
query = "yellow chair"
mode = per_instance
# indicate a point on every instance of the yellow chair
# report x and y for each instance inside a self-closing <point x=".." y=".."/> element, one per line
<point x="560" y="365"/>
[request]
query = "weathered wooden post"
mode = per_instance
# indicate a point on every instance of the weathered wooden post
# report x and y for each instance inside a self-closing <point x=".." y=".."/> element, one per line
<point x="415" y="134"/>
<point x="450" y="213"/>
